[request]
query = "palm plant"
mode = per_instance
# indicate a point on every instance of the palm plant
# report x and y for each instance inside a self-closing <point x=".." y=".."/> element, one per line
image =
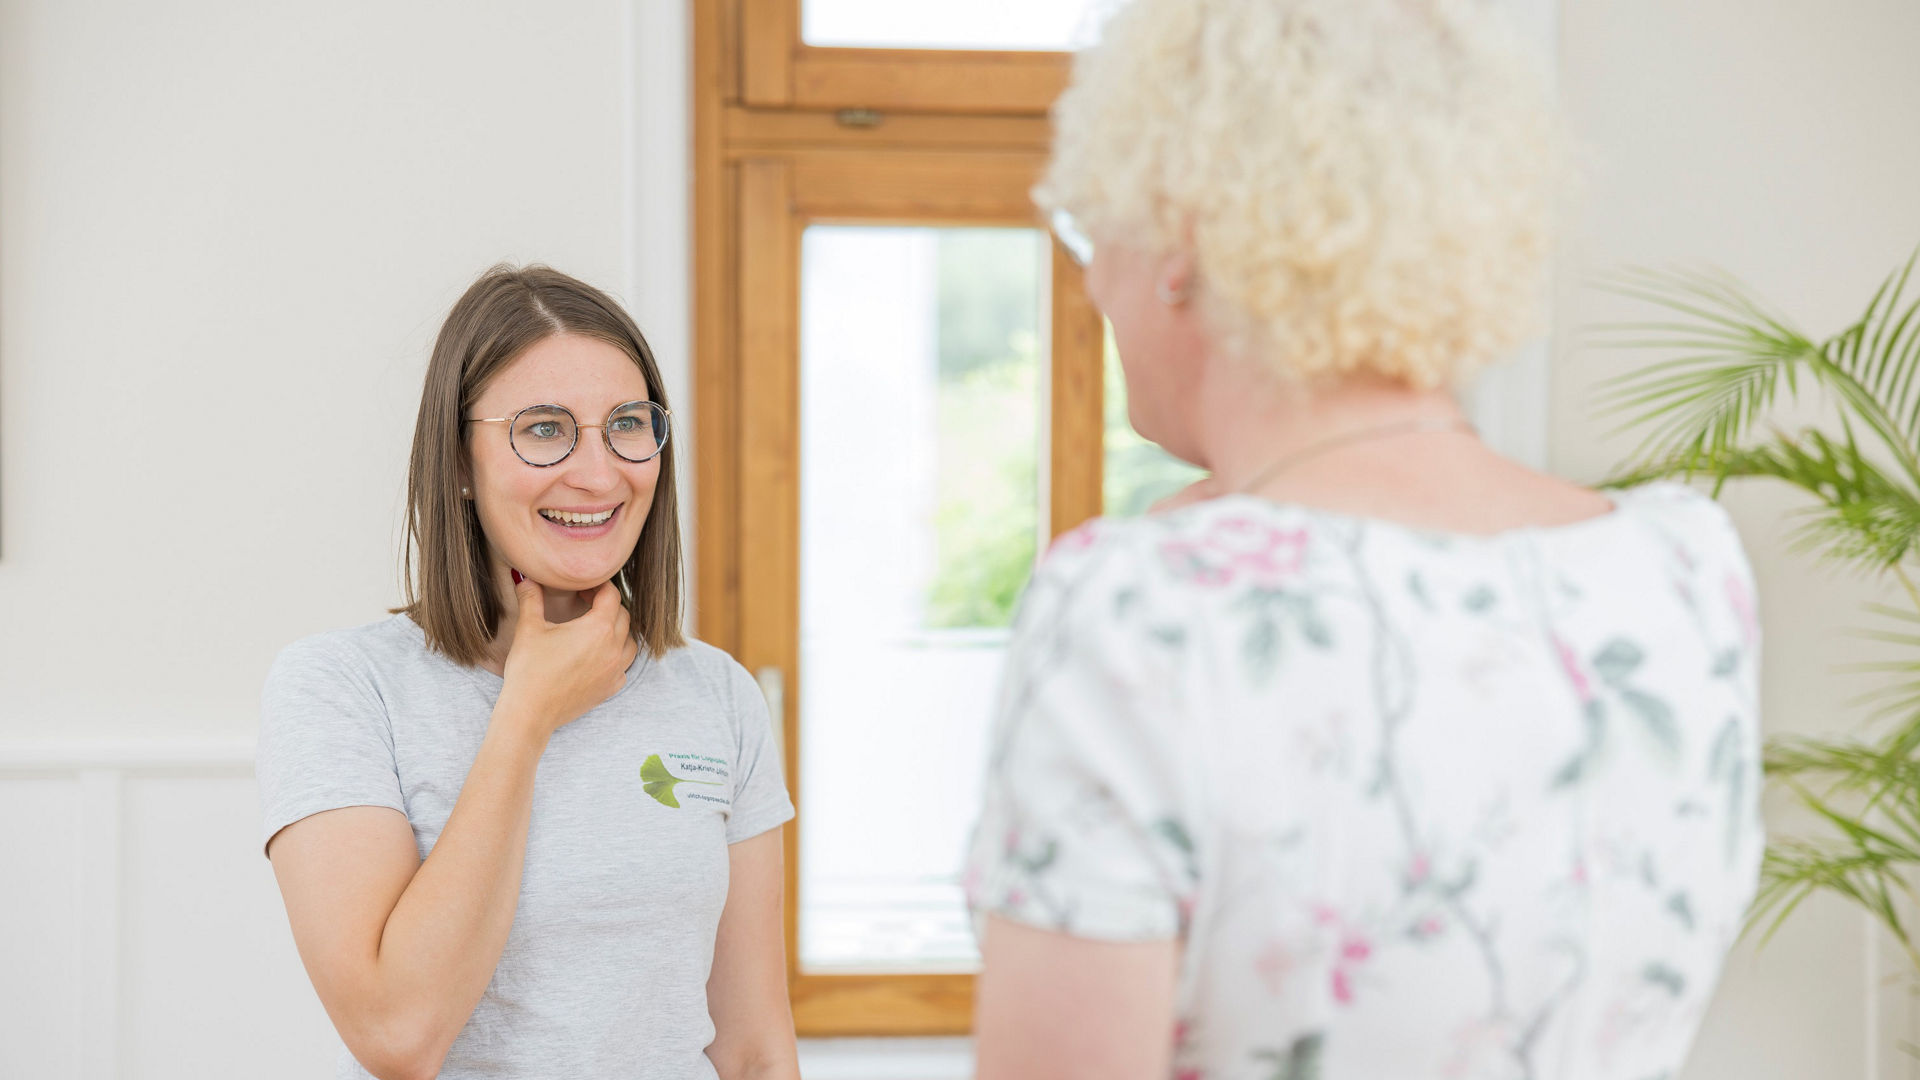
<point x="1705" y="413"/>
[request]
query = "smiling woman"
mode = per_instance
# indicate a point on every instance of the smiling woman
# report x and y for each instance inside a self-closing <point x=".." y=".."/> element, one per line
<point x="456" y="920"/>
<point x="519" y="353"/>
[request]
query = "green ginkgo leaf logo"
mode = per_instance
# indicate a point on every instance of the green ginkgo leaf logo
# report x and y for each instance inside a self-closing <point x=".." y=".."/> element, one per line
<point x="656" y="781"/>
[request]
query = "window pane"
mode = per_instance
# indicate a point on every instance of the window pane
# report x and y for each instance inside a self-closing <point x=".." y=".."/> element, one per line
<point x="921" y="362"/>
<point x="949" y="24"/>
<point x="1138" y="473"/>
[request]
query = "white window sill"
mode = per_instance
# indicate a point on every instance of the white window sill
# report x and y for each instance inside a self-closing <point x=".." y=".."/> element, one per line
<point x="886" y="1059"/>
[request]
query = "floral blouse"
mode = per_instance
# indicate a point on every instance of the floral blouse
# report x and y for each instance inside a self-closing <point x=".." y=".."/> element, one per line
<point x="1417" y="804"/>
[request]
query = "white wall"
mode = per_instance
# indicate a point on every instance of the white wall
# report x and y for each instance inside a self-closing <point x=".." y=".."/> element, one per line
<point x="253" y="216"/>
<point x="228" y="233"/>
<point x="1781" y="140"/>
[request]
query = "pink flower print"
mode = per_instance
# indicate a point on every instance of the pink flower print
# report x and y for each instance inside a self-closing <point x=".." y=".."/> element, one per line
<point x="1431" y="926"/>
<point x="1181" y="1029"/>
<point x="1190" y="562"/>
<point x="1741" y="598"/>
<point x="1073" y="540"/>
<point x="1324" y="915"/>
<point x="970" y="884"/>
<point x="1265" y="555"/>
<point x="1582" y="686"/>
<point x="1186" y="904"/>
<point x="1477" y="1048"/>
<point x="1580" y="871"/>
<point x="1420" y="869"/>
<point x="1354" y="951"/>
<point x="1684" y="556"/>
<point x="1016" y="898"/>
<point x="1188" y="1074"/>
<point x="1275" y="963"/>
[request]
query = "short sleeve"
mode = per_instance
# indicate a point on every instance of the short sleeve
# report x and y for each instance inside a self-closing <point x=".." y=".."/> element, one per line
<point x="1085" y="827"/>
<point x="760" y="799"/>
<point x="325" y="741"/>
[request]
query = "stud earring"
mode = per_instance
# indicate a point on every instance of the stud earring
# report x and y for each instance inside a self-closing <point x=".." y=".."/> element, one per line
<point x="464" y="493"/>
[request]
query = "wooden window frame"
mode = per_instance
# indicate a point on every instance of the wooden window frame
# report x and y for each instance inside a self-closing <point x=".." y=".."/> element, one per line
<point x="764" y="169"/>
<point x="779" y="69"/>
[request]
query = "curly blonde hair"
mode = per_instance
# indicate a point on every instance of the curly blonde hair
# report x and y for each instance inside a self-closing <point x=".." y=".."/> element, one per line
<point x="1371" y="185"/>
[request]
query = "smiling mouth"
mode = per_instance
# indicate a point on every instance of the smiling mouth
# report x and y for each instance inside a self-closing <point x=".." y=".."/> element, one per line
<point x="580" y="521"/>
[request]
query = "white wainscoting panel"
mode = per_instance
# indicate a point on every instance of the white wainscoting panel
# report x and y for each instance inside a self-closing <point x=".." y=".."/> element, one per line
<point x="40" y="1000"/>
<point x="198" y="888"/>
<point x="141" y="932"/>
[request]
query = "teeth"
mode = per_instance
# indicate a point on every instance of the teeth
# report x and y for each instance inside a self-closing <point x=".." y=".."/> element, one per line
<point x="566" y="518"/>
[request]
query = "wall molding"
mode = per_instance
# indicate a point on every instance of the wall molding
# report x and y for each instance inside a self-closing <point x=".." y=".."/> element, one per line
<point x="221" y="756"/>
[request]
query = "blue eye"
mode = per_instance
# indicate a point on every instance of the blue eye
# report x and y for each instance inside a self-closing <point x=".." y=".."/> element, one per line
<point x="545" y="429"/>
<point x="626" y="425"/>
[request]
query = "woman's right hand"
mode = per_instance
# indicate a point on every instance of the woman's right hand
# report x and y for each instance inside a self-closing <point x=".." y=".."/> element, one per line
<point x="556" y="672"/>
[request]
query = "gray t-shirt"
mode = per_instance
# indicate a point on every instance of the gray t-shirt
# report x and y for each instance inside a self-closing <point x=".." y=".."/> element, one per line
<point x="605" y="970"/>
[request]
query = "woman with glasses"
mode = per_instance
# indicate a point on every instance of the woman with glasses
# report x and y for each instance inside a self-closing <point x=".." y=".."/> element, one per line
<point x="1377" y="756"/>
<point x="522" y="826"/>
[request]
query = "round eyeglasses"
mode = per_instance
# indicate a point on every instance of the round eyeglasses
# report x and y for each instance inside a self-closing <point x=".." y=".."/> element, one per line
<point x="543" y="435"/>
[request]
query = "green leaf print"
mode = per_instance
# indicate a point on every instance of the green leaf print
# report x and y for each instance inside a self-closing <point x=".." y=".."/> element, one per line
<point x="1726" y="750"/>
<point x="1171" y="636"/>
<point x="1301" y="1061"/>
<point x="1312" y="626"/>
<point x="1576" y="769"/>
<point x="1262" y="648"/>
<point x="1656" y="717"/>
<point x="1618" y="660"/>
<point x="1461" y="885"/>
<point x="1726" y="765"/>
<point x="1479" y="600"/>
<point x="1174" y="833"/>
<point x="1665" y="977"/>
<point x="1036" y="864"/>
<point x="1569" y="774"/>
<point x="1418" y="590"/>
<point x="656" y="781"/>
<point x="1678" y="906"/>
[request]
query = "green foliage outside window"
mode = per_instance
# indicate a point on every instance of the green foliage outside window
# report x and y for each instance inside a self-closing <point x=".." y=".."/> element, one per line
<point x="988" y="520"/>
<point x="1139" y="473"/>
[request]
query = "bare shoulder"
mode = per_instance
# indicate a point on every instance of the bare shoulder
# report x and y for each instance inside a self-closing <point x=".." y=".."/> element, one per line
<point x="1540" y="499"/>
<point x="1468" y="490"/>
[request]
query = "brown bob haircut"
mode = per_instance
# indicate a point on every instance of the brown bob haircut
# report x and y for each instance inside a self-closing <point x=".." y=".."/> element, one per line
<point x="449" y="588"/>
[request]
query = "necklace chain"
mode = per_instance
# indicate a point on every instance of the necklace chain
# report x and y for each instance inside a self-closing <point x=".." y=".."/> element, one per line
<point x="1404" y="427"/>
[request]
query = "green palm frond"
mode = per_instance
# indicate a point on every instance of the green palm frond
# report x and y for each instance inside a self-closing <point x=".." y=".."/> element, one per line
<point x="1736" y="358"/>
<point x="1880" y="351"/>
<point x="1701" y="415"/>
<point x="1863" y="872"/>
<point x="1862" y="514"/>
<point x="1882" y="775"/>
<point x="1898" y="698"/>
